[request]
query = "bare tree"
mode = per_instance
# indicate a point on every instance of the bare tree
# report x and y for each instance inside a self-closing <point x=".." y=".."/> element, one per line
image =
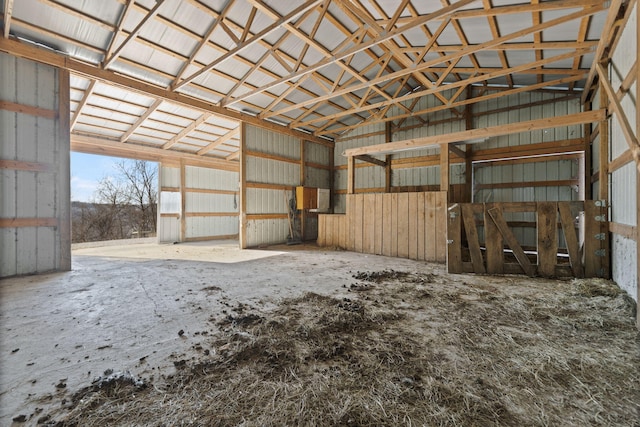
<point x="122" y="204"/>
<point x="141" y="189"/>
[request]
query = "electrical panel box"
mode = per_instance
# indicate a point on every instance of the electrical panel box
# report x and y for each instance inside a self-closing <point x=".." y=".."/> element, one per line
<point x="313" y="199"/>
<point x="306" y="198"/>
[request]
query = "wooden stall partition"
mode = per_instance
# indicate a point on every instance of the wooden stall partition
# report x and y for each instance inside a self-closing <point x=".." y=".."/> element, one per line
<point x="407" y="225"/>
<point x="499" y="250"/>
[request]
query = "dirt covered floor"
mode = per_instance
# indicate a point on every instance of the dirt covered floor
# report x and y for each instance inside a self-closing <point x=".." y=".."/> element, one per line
<point x="303" y="336"/>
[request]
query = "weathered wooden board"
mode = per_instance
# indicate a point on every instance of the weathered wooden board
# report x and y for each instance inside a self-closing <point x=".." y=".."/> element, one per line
<point x="403" y="225"/>
<point x="494" y="244"/>
<point x="473" y="241"/>
<point x="547" y="225"/>
<point x="454" y="229"/>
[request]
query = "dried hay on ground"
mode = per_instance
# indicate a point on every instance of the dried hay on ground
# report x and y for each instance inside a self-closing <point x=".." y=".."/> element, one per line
<point x="403" y="349"/>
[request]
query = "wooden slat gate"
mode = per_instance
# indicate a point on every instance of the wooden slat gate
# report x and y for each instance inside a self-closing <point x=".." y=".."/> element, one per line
<point x="548" y="239"/>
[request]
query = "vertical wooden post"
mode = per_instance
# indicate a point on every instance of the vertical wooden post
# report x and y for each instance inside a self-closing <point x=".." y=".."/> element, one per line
<point x="603" y="167"/>
<point x="332" y="172"/>
<point x="444" y="168"/>
<point x="388" y="137"/>
<point x="587" y="169"/>
<point x="63" y="173"/>
<point x="637" y="175"/>
<point x="468" y="158"/>
<point x="350" y="174"/>
<point x="243" y="188"/>
<point x="303" y="216"/>
<point x="183" y="201"/>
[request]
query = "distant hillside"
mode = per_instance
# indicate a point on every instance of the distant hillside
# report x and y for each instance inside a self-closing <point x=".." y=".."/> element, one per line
<point x="93" y="222"/>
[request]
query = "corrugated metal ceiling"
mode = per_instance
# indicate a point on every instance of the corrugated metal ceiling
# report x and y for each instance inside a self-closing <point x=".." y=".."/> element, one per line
<point x="298" y="61"/>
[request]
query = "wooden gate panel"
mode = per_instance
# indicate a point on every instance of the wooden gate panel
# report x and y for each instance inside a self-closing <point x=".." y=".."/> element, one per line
<point x="553" y="220"/>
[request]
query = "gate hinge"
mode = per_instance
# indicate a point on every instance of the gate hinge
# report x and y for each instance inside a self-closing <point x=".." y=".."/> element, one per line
<point x="601" y="203"/>
<point x="600" y="236"/>
<point x="601" y="218"/>
<point x="449" y="242"/>
<point x="601" y="252"/>
<point x="452" y="215"/>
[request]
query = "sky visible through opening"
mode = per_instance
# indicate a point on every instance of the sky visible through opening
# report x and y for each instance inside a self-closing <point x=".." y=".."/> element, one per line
<point x="87" y="170"/>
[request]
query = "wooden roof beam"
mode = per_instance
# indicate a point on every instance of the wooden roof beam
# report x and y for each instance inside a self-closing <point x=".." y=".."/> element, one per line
<point x="472" y="80"/>
<point x="45" y="56"/>
<point x="607" y="31"/>
<point x="468" y="101"/>
<point x="133" y="34"/>
<point x="85" y="97"/>
<point x="493" y="25"/>
<point x="259" y="36"/>
<point x="186" y="131"/>
<point x="108" y="147"/>
<point x="350" y="51"/>
<point x="470" y="136"/>
<point x="224" y="138"/>
<point x="616" y="106"/>
<point x="152" y="108"/>
<point x="119" y="28"/>
<point x="6" y="17"/>
<point x="449" y="57"/>
<point x="205" y="40"/>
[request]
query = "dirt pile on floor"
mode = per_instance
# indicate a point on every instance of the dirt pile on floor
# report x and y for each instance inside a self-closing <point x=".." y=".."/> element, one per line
<point x="401" y="349"/>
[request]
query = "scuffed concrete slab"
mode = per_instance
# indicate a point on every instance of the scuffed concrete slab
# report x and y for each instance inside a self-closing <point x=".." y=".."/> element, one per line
<point x="146" y="308"/>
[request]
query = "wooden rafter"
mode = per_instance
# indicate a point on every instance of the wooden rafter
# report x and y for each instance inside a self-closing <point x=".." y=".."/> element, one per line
<point x="186" y="131"/>
<point x="477" y="134"/>
<point x="353" y="50"/>
<point x="152" y="108"/>
<point x="472" y="80"/>
<point x="495" y="32"/>
<point x="221" y="140"/>
<point x="205" y="39"/>
<point x="449" y="57"/>
<point x="85" y="97"/>
<point x="259" y="36"/>
<point x="6" y="17"/>
<point x="108" y="61"/>
<point x="118" y="30"/>
<point x="465" y="102"/>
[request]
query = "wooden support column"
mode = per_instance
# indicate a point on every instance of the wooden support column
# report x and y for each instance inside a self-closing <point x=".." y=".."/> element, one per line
<point x="587" y="169"/>
<point x="303" y="215"/>
<point x="63" y="163"/>
<point x="603" y="167"/>
<point x="332" y="153"/>
<point x="468" y="168"/>
<point x="183" y="201"/>
<point x="637" y="175"/>
<point x="388" y="137"/>
<point x="351" y="170"/>
<point x="243" y="187"/>
<point x="444" y="168"/>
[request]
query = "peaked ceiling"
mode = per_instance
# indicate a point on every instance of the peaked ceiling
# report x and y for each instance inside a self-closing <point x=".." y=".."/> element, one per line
<point x="320" y="67"/>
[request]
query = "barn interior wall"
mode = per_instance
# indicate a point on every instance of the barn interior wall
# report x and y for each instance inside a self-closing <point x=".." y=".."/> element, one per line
<point x="623" y="181"/>
<point x="34" y="168"/>
<point x="208" y="210"/>
<point x="555" y="179"/>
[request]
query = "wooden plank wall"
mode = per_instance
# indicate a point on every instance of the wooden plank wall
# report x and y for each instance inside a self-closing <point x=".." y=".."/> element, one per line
<point x="499" y="251"/>
<point x="404" y="225"/>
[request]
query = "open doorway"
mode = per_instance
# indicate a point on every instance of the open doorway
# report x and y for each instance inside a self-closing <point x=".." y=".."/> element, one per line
<point x="112" y="198"/>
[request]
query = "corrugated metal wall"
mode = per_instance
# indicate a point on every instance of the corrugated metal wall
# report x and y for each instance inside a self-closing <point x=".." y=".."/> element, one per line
<point x="273" y="163"/>
<point x="211" y="204"/>
<point x="34" y="168"/>
<point x="169" y="204"/>
<point x="623" y="181"/>
<point x="268" y="179"/>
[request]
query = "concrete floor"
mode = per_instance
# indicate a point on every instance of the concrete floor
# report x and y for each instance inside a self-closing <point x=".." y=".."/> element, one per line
<point x="122" y="307"/>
